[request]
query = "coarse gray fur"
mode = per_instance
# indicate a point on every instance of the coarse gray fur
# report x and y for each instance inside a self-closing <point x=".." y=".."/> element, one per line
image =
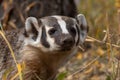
<point x="43" y="45"/>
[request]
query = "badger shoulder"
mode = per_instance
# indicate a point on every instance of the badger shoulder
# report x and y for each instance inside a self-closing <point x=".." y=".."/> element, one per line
<point x="13" y="38"/>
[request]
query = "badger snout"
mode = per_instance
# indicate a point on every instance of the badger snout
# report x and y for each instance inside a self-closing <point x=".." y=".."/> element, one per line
<point x="67" y="42"/>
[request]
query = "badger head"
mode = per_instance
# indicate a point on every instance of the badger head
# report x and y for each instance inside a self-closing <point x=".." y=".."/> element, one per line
<point x="55" y="33"/>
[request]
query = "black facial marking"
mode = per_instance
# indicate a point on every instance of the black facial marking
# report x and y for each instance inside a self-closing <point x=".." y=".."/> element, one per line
<point x="70" y="25"/>
<point x="52" y="22"/>
<point x="72" y="31"/>
<point x="52" y="31"/>
<point x="43" y="38"/>
<point x="78" y="31"/>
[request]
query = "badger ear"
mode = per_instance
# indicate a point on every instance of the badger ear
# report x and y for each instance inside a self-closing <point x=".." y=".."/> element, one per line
<point x="31" y="28"/>
<point x="83" y="27"/>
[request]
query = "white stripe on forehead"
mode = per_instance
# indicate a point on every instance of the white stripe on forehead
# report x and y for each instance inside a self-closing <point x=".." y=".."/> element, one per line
<point x="62" y="24"/>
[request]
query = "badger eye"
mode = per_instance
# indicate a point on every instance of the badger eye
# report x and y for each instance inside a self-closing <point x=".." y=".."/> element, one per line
<point x="52" y="31"/>
<point x="72" y="30"/>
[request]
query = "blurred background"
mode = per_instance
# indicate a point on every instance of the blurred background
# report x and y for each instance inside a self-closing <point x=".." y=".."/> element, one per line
<point x="99" y="57"/>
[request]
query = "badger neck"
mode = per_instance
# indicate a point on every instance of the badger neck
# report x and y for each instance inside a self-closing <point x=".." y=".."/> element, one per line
<point x="35" y="59"/>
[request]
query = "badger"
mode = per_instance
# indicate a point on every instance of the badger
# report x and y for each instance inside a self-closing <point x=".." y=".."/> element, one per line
<point x="44" y="45"/>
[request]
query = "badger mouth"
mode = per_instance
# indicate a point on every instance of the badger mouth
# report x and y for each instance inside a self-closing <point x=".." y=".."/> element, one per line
<point x="66" y="48"/>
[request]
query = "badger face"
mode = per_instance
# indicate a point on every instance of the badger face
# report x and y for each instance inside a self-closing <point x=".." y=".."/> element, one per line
<point x="55" y="33"/>
<point x="60" y="33"/>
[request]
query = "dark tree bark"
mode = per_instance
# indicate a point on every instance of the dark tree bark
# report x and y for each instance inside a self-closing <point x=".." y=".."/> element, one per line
<point x="15" y="12"/>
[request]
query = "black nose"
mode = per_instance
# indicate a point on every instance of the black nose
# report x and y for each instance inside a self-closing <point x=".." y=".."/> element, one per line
<point x="67" y="42"/>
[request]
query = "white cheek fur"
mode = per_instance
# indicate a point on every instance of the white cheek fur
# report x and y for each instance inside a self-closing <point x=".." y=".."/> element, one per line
<point x="51" y="41"/>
